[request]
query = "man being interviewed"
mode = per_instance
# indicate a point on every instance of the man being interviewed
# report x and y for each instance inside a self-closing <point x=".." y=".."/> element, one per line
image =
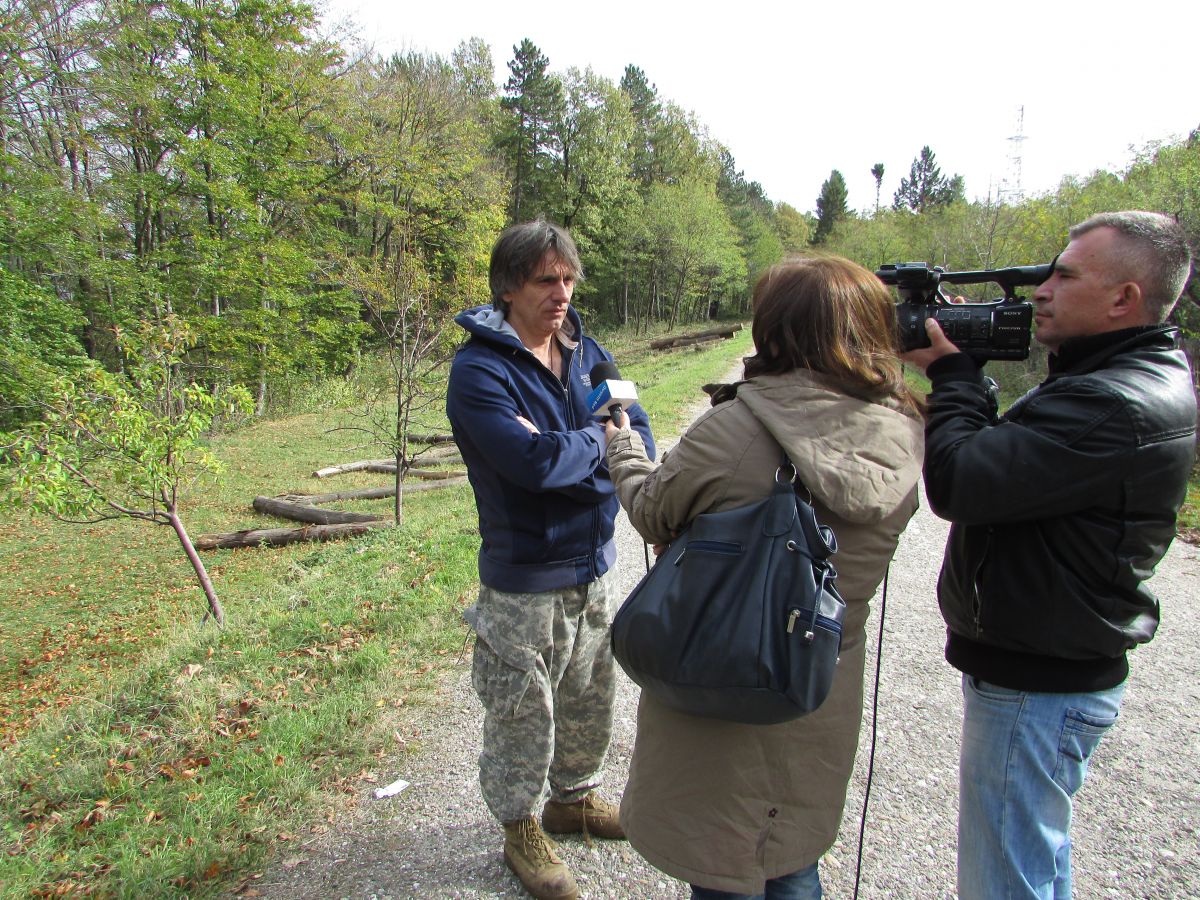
<point x="1061" y="509"/>
<point x="543" y="665"/>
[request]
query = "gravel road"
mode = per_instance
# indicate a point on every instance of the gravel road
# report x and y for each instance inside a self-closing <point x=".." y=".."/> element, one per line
<point x="1137" y="830"/>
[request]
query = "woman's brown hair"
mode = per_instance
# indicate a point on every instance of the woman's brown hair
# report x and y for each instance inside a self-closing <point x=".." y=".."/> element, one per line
<point x="832" y="316"/>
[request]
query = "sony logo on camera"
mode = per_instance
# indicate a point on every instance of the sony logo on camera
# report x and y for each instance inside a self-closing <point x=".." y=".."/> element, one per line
<point x="998" y="329"/>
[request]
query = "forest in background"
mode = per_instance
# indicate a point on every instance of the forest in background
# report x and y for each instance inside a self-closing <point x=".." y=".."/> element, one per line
<point x="290" y="205"/>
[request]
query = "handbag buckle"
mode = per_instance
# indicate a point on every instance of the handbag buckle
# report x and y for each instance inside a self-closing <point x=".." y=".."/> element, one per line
<point x="788" y="465"/>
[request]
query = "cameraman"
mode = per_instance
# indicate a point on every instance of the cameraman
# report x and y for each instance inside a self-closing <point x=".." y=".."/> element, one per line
<point x="1061" y="508"/>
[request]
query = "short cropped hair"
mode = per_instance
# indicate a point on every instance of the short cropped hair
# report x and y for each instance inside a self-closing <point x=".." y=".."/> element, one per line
<point x="519" y="251"/>
<point x="1154" y="252"/>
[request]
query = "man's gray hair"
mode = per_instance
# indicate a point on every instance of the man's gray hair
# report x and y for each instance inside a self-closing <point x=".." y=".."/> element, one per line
<point x="1154" y="253"/>
<point x="519" y="251"/>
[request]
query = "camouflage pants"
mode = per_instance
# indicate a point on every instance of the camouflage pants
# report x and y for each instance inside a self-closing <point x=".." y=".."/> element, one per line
<point x="544" y="671"/>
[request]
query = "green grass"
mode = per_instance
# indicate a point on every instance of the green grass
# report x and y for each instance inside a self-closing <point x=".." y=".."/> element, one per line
<point x="142" y="753"/>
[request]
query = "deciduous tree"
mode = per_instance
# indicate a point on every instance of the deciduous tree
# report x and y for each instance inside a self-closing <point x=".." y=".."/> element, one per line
<point x="426" y="207"/>
<point x="752" y="215"/>
<point x="793" y="228"/>
<point x="38" y="344"/>
<point x="694" y="246"/>
<point x="594" y="131"/>
<point x="123" y="446"/>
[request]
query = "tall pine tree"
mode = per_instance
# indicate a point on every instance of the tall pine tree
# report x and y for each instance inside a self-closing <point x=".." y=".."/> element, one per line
<point x="647" y="116"/>
<point x="926" y="186"/>
<point x="831" y="205"/>
<point x="533" y="101"/>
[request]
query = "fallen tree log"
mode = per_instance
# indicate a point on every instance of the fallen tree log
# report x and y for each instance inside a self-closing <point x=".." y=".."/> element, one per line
<point x="279" y="537"/>
<point x="375" y="493"/>
<point x="683" y="339"/>
<point x="388" y="466"/>
<point x="445" y="459"/>
<point x="695" y="341"/>
<point x="414" y="471"/>
<point x="431" y="439"/>
<point x="303" y="512"/>
<point x="351" y="467"/>
<point x="456" y="478"/>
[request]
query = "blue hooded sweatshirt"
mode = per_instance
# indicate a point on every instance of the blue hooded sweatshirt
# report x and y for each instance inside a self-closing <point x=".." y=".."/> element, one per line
<point x="546" y="504"/>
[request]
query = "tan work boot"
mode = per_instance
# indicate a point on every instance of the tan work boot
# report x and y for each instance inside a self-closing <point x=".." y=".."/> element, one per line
<point x="530" y="854"/>
<point x="591" y="815"/>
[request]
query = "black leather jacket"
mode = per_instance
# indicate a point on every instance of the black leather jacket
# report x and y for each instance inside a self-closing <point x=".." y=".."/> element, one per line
<point x="1061" y="507"/>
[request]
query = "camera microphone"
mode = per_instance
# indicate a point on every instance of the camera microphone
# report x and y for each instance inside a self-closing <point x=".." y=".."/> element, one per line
<point x="610" y="394"/>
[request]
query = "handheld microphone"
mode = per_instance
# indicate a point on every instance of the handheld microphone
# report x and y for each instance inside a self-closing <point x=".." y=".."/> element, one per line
<point x="610" y="394"/>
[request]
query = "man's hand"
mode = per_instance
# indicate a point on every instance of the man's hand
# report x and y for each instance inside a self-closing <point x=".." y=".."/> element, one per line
<point x="939" y="346"/>
<point x="529" y="426"/>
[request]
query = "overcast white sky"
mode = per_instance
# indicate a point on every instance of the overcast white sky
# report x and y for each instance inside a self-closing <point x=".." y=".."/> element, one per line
<point x="796" y="89"/>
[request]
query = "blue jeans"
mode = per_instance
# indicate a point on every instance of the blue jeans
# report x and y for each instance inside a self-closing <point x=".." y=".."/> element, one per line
<point x="803" y="884"/>
<point x="1024" y="755"/>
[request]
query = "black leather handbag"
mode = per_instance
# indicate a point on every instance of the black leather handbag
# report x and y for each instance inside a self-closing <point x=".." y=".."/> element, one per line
<point x="740" y="618"/>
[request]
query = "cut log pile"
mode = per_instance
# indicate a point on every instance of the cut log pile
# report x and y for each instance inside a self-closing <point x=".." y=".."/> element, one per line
<point x="327" y="524"/>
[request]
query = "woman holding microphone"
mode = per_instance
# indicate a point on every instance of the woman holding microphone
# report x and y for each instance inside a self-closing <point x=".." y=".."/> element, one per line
<point x="746" y="811"/>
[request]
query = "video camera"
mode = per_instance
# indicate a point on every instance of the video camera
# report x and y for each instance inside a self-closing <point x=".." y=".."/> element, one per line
<point x="998" y="329"/>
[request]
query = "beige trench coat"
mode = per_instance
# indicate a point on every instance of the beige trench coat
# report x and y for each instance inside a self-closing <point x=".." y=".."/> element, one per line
<point x="724" y="805"/>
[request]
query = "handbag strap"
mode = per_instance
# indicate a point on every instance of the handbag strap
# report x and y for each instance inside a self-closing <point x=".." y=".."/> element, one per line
<point x="822" y="542"/>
